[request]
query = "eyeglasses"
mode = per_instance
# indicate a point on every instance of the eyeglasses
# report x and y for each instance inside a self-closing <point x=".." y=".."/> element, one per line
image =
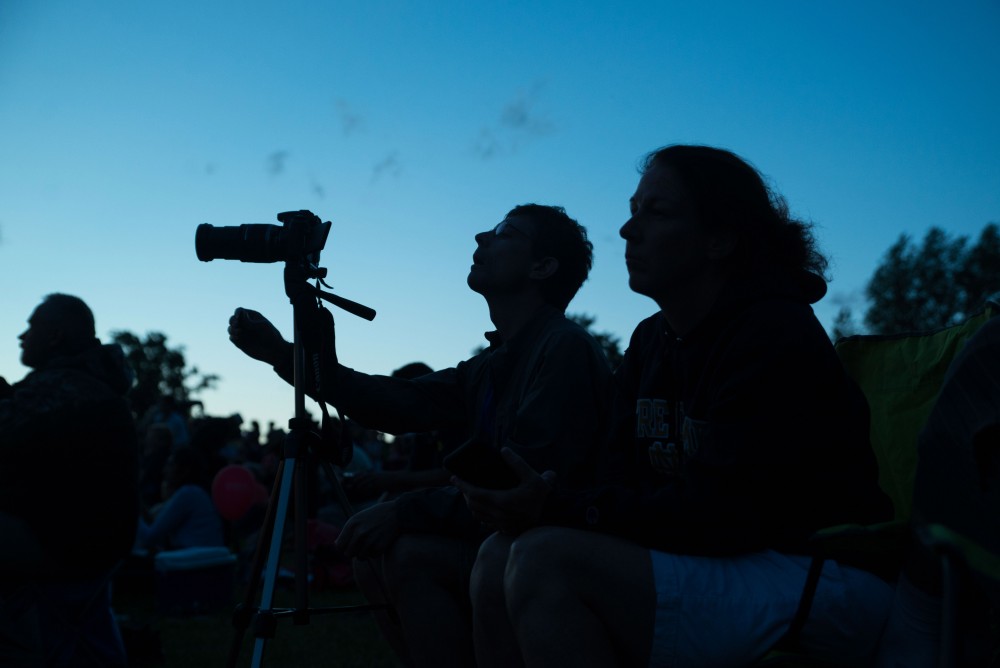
<point x="506" y="224"/>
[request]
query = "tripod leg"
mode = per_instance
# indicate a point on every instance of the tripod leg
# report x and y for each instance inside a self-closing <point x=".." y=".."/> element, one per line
<point x="265" y="618"/>
<point x="244" y="612"/>
<point x="301" y="615"/>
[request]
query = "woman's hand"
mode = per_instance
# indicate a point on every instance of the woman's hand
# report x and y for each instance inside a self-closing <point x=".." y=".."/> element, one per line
<point x="512" y="510"/>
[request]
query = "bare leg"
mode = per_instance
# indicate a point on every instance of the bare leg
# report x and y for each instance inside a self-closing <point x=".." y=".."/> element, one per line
<point x="578" y="598"/>
<point x="428" y="578"/>
<point x="495" y="642"/>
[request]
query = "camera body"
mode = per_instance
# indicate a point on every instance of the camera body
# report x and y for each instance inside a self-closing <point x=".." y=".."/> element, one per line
<point x="301" y="237"/>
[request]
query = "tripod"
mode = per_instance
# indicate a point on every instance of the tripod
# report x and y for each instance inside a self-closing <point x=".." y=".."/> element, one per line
<point x="292" y="476"/>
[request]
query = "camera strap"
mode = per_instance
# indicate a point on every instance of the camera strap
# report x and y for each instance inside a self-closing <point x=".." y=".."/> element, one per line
<point x="319" y="336"/>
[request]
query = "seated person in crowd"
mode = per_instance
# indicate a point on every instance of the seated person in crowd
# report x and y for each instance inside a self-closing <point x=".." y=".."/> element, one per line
<point x="186" y="517"/>
<point x="157" y="443"/>
<point x="738" y="434"/>
<point x="541" y="388"/>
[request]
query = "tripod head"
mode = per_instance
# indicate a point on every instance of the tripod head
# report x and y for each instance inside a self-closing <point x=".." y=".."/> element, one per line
<point x="298" y="242"/>
<point x="315" y="341"/>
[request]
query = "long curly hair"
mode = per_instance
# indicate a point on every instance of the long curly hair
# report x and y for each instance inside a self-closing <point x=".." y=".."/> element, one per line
<point x="728" y="192"/>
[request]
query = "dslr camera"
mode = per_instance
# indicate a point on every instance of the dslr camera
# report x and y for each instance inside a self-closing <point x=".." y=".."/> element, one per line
<point x="300" y="237"/>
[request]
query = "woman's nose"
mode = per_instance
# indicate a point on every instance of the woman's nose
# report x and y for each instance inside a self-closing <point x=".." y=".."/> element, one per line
<point x="626" y="229"/>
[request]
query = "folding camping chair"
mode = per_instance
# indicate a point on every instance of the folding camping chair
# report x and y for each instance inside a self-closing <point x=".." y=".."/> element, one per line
<point x="901" y="376"/>
<point x="957" y="497"/>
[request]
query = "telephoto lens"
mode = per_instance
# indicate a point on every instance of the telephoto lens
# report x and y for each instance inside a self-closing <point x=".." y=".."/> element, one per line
<point x="246" y="243"/>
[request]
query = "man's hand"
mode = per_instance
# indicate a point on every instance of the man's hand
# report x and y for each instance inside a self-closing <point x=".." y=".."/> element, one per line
<point x="512" y="510"/>
<point x="257" y="337"/>
<point x="370" y="532"/>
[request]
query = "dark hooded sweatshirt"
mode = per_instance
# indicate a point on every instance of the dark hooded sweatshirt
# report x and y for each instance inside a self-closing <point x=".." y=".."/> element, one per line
<point x="743" y="435"/>
<point x="69" y="459"/>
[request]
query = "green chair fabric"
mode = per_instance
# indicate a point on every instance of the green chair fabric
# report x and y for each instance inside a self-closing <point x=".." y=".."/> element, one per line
<point x="901" y="376"/>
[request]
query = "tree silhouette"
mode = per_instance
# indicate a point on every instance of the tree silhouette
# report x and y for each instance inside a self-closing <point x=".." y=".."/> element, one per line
<point x="914" y="287"/>
<point x="979" y="276"/>
<point x="160" y="371"/>
<point x="937" y="283"/>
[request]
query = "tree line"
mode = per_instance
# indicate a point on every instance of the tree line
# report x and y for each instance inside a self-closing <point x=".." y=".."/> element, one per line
<point x="938" y="282"/>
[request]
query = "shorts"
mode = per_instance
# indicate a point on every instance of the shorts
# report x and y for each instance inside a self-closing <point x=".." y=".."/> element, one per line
<point x="730" y="611"/>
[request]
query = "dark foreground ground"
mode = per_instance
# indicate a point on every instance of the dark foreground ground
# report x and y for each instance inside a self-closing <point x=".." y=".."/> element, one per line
<point x="338" y="640"/>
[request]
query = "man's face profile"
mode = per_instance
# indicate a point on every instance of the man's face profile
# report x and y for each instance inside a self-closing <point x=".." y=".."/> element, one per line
<point x="503" y="257"/>
<point x="39" y="339"/>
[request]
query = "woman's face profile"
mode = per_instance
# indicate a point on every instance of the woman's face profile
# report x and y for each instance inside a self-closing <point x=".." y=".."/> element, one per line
<point x="666" y="247"/>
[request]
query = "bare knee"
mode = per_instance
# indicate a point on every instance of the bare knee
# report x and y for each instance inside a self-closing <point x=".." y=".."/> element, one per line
<point x="418" y="561"/>
<point x="567" y="589"/>
<point x="487" y="581"/>
<point x="573" y="565"/>
<point x="538" y="561"/>
<point x="406" y="557"/>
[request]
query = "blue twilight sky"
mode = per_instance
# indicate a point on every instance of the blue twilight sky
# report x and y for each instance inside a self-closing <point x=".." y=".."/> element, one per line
<point x="413" y="125"/>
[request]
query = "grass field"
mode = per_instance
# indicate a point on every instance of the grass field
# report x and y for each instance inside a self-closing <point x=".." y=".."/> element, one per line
<point x="341" y="639"/>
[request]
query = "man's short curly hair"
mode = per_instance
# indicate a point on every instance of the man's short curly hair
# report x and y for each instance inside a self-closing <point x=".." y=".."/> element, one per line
<point x="557" y="235"/>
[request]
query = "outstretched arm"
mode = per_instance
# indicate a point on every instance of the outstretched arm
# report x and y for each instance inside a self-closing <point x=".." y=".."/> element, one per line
<point x="393" y="405"/>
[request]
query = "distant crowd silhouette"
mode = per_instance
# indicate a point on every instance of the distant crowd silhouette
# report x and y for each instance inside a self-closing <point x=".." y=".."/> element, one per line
<point x="532" y="506"/>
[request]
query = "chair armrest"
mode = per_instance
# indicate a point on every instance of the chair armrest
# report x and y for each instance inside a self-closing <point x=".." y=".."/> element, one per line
<point x="878" y="548"/>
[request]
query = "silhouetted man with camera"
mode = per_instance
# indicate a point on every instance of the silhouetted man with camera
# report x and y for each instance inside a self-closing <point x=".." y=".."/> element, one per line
<point x="541" y="388"/>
